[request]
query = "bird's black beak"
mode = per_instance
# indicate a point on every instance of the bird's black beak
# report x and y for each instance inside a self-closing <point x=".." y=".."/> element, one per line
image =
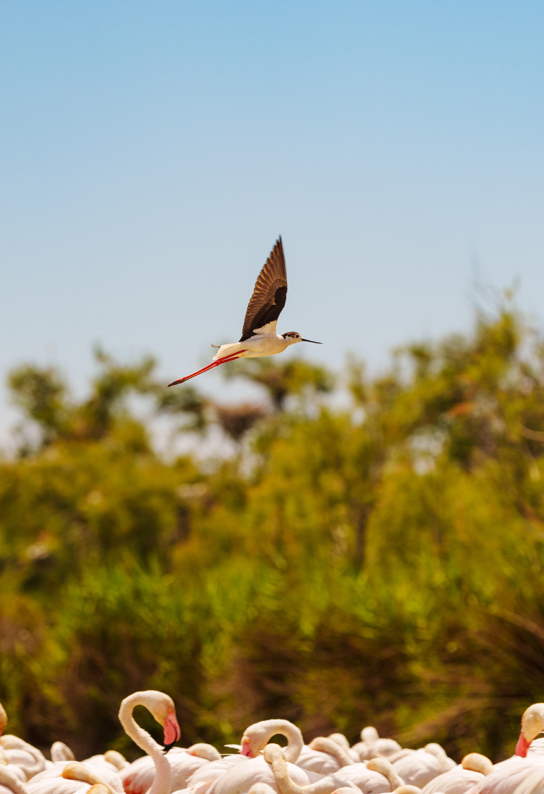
<point x="312" y="341"/>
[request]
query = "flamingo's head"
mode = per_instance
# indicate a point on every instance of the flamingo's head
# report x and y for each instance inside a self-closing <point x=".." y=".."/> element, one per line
<point x="203" y="750"/>
<point x="369" y="735"/>
<point x="477" y="763"/>
<point x="257" y="736"/>
<point x="532" y="723"/>
<point x="163" y="710"/>
<point x="255" y="739"/>
<point x="247" y="749"/>
<point x="3" y="719"/>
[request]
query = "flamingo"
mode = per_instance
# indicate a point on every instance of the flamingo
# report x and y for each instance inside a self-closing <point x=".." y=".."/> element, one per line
<point x="373" y="777"/>
<point x="407" y="790"/>
<point x="342" y="741"/>
<point x="18" y="753"/>
<point x="162" y="708"/>
<point x="261" y="788"/>
<point x="523" y="773"/>
<point x="12" y="768"/>
<point x="472" y="770"/>
<point x="323" y="755"/>
<point x="532" y="723"/>
<point x="239" y="778"/>
<point x="111" y="759"/>
<point x="256" y="738"/>
<point x="24" y="759"/>
<point x="75" y="779"/>
<point x="61" y="753"/>
<point x="236" y="774"/>
<point x="515" y="776"/>
<point x="284" y="783"/>
<point x="10" y="783"/>
<point x="138" y="776"/>
<point x="421" y="766"/>
<point x="380" y="777"/>
<point x="23" y="755"/>
<point x="203" y="778"/>
<point x="372" y="745"/>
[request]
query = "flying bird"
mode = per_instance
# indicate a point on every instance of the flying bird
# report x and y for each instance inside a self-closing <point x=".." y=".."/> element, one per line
<point x="259" y="337"/>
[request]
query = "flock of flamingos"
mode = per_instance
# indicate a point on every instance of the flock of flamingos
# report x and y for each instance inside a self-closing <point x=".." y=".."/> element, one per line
<point x="328" y="765"/>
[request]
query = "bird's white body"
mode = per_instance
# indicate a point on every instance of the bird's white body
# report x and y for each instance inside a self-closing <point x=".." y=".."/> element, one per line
<point x="258" y="345"/>
<point x="422" y="766"/>
<point x="51" y="781"/>
<point x="513" y="776"/>
<point x="455" y="781"/>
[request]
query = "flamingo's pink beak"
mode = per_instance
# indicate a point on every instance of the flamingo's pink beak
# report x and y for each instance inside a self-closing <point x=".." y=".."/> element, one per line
<point x="172" y="731"/>
<point x="246" y="750"/>
<point x="522" y="746"/>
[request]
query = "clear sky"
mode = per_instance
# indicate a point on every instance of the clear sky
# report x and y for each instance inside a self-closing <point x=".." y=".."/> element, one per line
<point x="152" y="151"/>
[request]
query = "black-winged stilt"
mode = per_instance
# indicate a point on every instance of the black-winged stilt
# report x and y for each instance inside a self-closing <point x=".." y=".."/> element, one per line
<point x="259" y="337"/>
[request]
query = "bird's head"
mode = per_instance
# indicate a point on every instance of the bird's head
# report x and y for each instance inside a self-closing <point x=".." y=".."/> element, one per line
<point x="254" y="739"/>
<point x="163" y="710"/>
<point x="292" y="337"/>
<point x="532" y="723"/>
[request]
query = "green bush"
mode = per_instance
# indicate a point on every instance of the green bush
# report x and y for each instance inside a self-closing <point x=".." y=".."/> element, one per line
<point x="382" y="563"/>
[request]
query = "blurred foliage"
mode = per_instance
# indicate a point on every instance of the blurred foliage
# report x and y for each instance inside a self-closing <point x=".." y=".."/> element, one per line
<point x="291" y="378"/>
<point x="379" y="563"/>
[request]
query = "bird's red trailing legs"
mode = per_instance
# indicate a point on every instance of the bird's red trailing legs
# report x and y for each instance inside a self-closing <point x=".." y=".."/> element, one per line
<point x="224" y="360"/>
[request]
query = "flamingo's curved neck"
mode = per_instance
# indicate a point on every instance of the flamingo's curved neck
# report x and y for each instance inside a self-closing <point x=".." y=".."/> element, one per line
<point x="10" y="742"/>
<point x="329" y="746"/>
<point x="386" y="769"/>
<point x="163" y="771"/>
<point x="295" y="742"/>
<point x="8" y="779"/>
<point x="274" y="756"/>
<point x="76" y="771"/>
<point x="440" y="754"/>
<point x="117" y="759"/>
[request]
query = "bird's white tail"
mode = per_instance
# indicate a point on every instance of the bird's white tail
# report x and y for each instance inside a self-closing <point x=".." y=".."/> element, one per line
<point x="228" y="350"/>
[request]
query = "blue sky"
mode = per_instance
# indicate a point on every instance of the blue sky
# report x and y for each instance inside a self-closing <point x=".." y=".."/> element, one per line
<point x="151" y="152"/>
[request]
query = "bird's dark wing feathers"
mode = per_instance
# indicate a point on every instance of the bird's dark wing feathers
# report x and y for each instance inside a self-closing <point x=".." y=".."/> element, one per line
<point x="269" y="295"/>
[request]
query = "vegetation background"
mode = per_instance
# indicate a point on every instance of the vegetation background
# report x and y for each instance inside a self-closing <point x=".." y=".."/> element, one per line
<point x="371" y="560"/>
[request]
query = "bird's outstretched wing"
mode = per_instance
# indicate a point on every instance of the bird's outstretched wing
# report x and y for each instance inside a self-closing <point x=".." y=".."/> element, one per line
<point x="269" y="295"/>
